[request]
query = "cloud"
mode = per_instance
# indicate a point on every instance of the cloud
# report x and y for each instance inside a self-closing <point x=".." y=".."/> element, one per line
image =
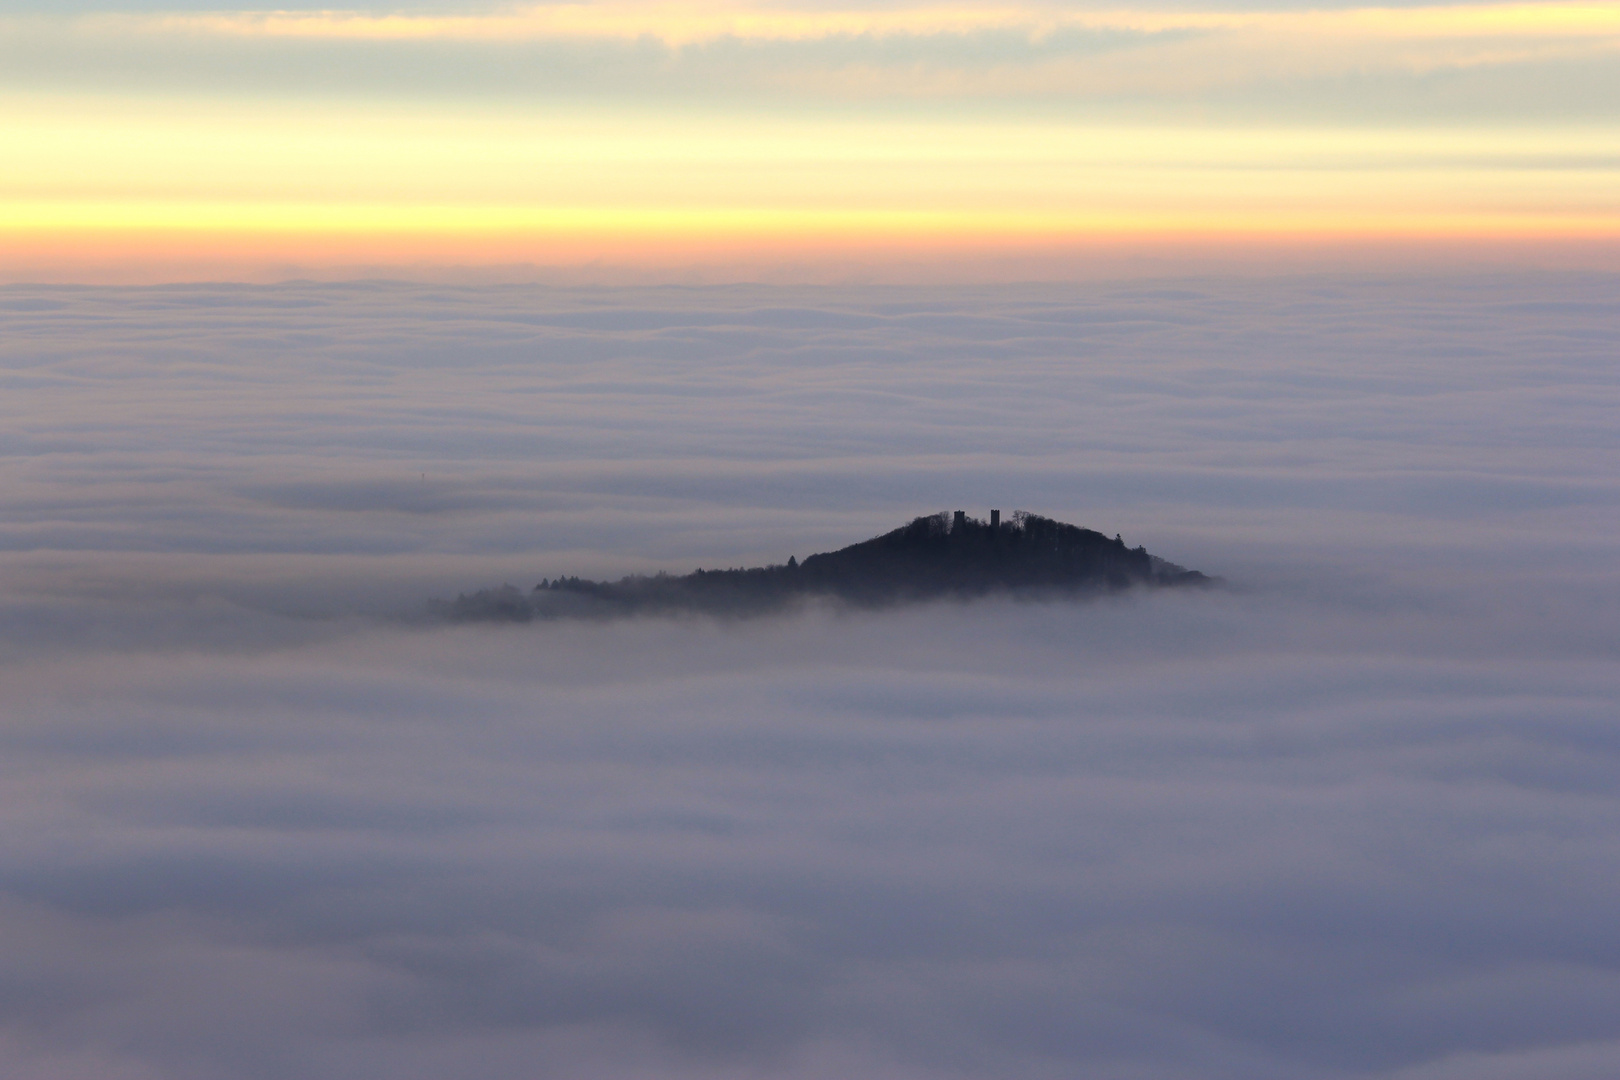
<point x="1175" y="64"/>
<point x="657" y="426"/>
<point x="1354" y="817"/>
<point x="1208" y="837"/>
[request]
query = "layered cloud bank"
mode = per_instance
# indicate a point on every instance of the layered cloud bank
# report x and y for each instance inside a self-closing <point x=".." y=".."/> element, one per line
<point x="1159" y="53"/>
<point x="1354" y="817"/>
<point x="1182" y="839"/>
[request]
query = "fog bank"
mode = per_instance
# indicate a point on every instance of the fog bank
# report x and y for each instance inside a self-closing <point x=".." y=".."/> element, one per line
<point x="1354" y="816"/>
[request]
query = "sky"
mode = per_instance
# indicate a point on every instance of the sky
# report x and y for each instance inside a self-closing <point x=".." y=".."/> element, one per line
<point x="646" y="142"/>
<point x="1353" y="816"/>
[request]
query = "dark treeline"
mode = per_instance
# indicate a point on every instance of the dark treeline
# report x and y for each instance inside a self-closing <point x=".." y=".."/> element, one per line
<point x="933" y="557"/>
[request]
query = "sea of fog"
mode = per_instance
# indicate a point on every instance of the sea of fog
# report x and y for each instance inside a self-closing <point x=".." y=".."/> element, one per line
<point x="1355" y="816"/>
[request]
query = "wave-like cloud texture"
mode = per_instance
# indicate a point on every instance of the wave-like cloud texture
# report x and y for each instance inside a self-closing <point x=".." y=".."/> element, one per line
<point x="1353" y="817"/>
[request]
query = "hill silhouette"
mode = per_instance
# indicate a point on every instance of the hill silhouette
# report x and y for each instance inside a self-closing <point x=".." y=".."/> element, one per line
<point x="934" y="557"/>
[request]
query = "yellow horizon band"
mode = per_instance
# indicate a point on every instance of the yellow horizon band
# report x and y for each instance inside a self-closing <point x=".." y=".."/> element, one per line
<point x="61" y="218"/>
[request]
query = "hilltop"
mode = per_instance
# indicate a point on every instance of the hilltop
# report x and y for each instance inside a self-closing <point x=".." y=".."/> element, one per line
<point x="934" y="557"/>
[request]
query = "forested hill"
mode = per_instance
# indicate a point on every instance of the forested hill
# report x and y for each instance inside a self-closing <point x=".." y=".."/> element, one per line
<point x="933" y="557"/>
